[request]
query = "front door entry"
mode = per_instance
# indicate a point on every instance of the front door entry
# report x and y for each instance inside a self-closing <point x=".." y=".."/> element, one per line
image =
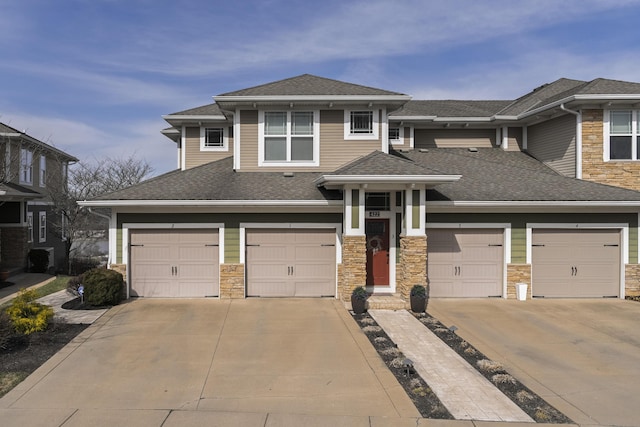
<point x="377" y="233"/>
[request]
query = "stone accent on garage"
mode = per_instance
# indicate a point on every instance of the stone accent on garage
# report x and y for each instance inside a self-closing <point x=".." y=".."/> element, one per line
<point x="232" y="281"/>
<point x="413" y="264"/>
<point x="353" y="272"/>
<point x="518" y="273"/>
<point x="122" y="269"/>
<point x="594" y="168"/>
<point x="632" y="280"/>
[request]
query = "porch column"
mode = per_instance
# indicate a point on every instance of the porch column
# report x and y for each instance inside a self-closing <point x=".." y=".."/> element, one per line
<point x="413" y="243"/>
<point x="353" y="271"/>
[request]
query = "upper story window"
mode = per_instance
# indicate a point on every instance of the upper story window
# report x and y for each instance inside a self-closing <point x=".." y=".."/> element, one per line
<point x="288" y="138"/>
<point x="43" y="171"/>
<point x="213" y="139"/>
<point x="30" y="226"/>
<point x="26" y="166"/>
<point x="42" y="227"/>
<point x="360" y="124"/>
<point x="622" y="135"/>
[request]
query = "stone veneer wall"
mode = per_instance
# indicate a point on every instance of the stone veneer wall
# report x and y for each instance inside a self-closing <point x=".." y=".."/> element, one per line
<point x="632" y="280"/>
<point x="353" y="271"/>
<point x="518" y="273"/>
<point x="14" y="247"/>
<point x="413" y="264"/>
<point x="621" y="173"/>
<point x="122" y="269"/>
<point x="232" y="281"/>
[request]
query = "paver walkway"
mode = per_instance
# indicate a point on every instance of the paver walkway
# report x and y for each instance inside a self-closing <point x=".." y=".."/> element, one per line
<point x="463" y="390"/>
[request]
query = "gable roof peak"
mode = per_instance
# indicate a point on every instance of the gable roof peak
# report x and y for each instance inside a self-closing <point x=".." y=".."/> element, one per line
<point x="309" y="85"/>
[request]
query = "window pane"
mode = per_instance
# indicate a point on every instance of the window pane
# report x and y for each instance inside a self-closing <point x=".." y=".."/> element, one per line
<point x="213" y="137"/>
<point x="275" y="123"/>
<point x="620" y="147"/>
<point x="301" y="148"/>
<point x="362" y="122"/>
<point x="302" y="123"/>
<point x="621" y="122"/>
<point x="394" y="134"/>
<point x="275" y="149"/>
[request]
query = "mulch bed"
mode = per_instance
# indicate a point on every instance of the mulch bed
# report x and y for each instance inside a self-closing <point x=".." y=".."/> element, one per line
<point x="423" y="397"/>
<point x="78" y="304"/>
<point x="24" y="354"/>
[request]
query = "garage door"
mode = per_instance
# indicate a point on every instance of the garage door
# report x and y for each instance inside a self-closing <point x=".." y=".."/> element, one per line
<point x="575" y="263"/>
<point x="174" y="263"/>
<point x="291" y="263"/>
<point x="465" y="262"/>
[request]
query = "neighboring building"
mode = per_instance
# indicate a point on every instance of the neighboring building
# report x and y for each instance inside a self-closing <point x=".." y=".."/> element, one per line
<point x="310" y="187"/>
<point x="30" y="169"/>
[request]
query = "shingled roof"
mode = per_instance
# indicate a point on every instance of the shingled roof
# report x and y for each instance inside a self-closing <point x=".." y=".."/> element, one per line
<point x="203" y="110"/>
<point x="307" y="84"/>
<point x="379" y="163"/>
<point x="218" y="181"/>
<point x="492" y="174"/>
<point x="450" y="108"/>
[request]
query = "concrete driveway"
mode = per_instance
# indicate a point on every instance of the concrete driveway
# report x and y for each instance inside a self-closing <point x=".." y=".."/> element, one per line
<point x="212" y="362"/>
<point x="582" y="356"/>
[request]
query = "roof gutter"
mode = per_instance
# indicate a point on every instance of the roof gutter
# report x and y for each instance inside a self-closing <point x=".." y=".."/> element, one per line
<point x="578" y="139"/>
<point x="209" y="203"/>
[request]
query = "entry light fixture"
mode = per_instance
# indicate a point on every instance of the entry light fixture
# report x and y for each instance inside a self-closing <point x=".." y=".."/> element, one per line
<point x="407" y="364"/>
<point x="453" y="328"/>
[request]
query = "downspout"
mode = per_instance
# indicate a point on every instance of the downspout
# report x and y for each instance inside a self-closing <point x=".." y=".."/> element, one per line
<point x="578" y="139"/>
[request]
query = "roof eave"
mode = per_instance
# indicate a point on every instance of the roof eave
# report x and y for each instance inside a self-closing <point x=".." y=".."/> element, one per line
<point x="208" y="203"/>
<point x="340" y="180"/>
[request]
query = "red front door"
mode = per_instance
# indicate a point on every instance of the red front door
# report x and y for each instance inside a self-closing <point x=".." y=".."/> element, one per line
<point x="377" y="232"/>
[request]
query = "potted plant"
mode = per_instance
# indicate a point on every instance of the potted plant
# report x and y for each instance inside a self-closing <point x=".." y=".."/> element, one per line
<point x="4" y="273"/>
<point x="418" y="298"/>
<point x="358" y="300"/>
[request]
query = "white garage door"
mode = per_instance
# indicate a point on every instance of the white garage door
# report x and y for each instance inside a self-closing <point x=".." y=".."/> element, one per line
<point x="174" y="263"/>
<point x="575" y="263"/>
<point x="291" y="262"/>
<point x="465" y="262"/>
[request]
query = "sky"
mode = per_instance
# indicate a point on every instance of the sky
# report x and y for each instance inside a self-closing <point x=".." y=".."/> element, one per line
<point x="95" y="77"/>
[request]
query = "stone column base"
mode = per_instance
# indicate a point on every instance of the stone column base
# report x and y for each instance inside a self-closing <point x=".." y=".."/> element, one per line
<point x="632" y="280"/>
<point x="413" y="264"/>
<point x="353" y="271"/>
<point x="232" y="281"/>
<point x="518" y="273"/>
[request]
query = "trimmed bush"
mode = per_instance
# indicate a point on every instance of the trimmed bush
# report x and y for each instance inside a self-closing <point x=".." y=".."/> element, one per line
<point x="27" y="315"/>
<point x="102" y="287"/>
<point x="39" y="259"/>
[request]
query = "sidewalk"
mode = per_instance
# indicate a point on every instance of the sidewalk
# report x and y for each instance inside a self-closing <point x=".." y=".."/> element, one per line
<point x="23" y="281"/>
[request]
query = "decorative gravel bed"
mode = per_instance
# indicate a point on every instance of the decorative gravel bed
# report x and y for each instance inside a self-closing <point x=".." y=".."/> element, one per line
<point x="426" y="400"/>
<point x="535" y="406"/>
<point x="417" y="389"/>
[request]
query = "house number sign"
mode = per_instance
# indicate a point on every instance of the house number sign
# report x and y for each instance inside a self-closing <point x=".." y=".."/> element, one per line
<point x="374" y="214"/>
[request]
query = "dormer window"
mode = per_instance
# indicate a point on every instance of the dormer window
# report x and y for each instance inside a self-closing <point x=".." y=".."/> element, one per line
<point x="622" y="135"/>
<point x="361" y="124"/>
<point x="288" y="138"/>
<point x="213" y="139"/>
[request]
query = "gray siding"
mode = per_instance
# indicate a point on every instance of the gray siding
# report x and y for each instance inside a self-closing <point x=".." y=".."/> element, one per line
<point x="454" y="138"/>
<point x="554" y="143"/>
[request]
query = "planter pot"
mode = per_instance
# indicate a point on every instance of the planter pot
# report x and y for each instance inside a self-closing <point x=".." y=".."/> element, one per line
<point x="418" y="304"/>
<point x="358" y="305"/>
<point x="4" y="275"/>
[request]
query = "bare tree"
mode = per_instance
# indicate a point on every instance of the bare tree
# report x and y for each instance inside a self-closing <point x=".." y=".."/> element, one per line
<point x="87" y="181"/>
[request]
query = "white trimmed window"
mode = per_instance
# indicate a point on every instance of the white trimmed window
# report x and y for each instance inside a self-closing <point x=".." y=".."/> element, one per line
<point x="42" y="227"/>
<point x="396" y="135"/>
<point x="288" y="138"/>
<point x="213" y="139"/>
<point x="361" y="124"/>
<point x="30" y="226"/>
<point x="26" y="166"/>
<point x="622" y="135"/>
<point x="43" y="171"/>
<point x="64" y="227"/>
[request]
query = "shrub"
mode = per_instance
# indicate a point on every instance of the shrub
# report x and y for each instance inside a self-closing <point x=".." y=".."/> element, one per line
<point x="102" y="287"/>
<point x="28" y="316"/>
<point x="359" y="293"/>
<point x="39" y="259"/>
<point x="419" y="291"/>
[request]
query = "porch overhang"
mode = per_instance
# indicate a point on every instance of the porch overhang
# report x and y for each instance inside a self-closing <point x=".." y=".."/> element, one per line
<point x="335" y="182"/>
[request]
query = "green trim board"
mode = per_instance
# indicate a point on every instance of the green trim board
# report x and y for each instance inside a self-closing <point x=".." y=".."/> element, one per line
<point x="230" y="220"/>
<point x="355" y="209"/>
<point x="519" y="223"/>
